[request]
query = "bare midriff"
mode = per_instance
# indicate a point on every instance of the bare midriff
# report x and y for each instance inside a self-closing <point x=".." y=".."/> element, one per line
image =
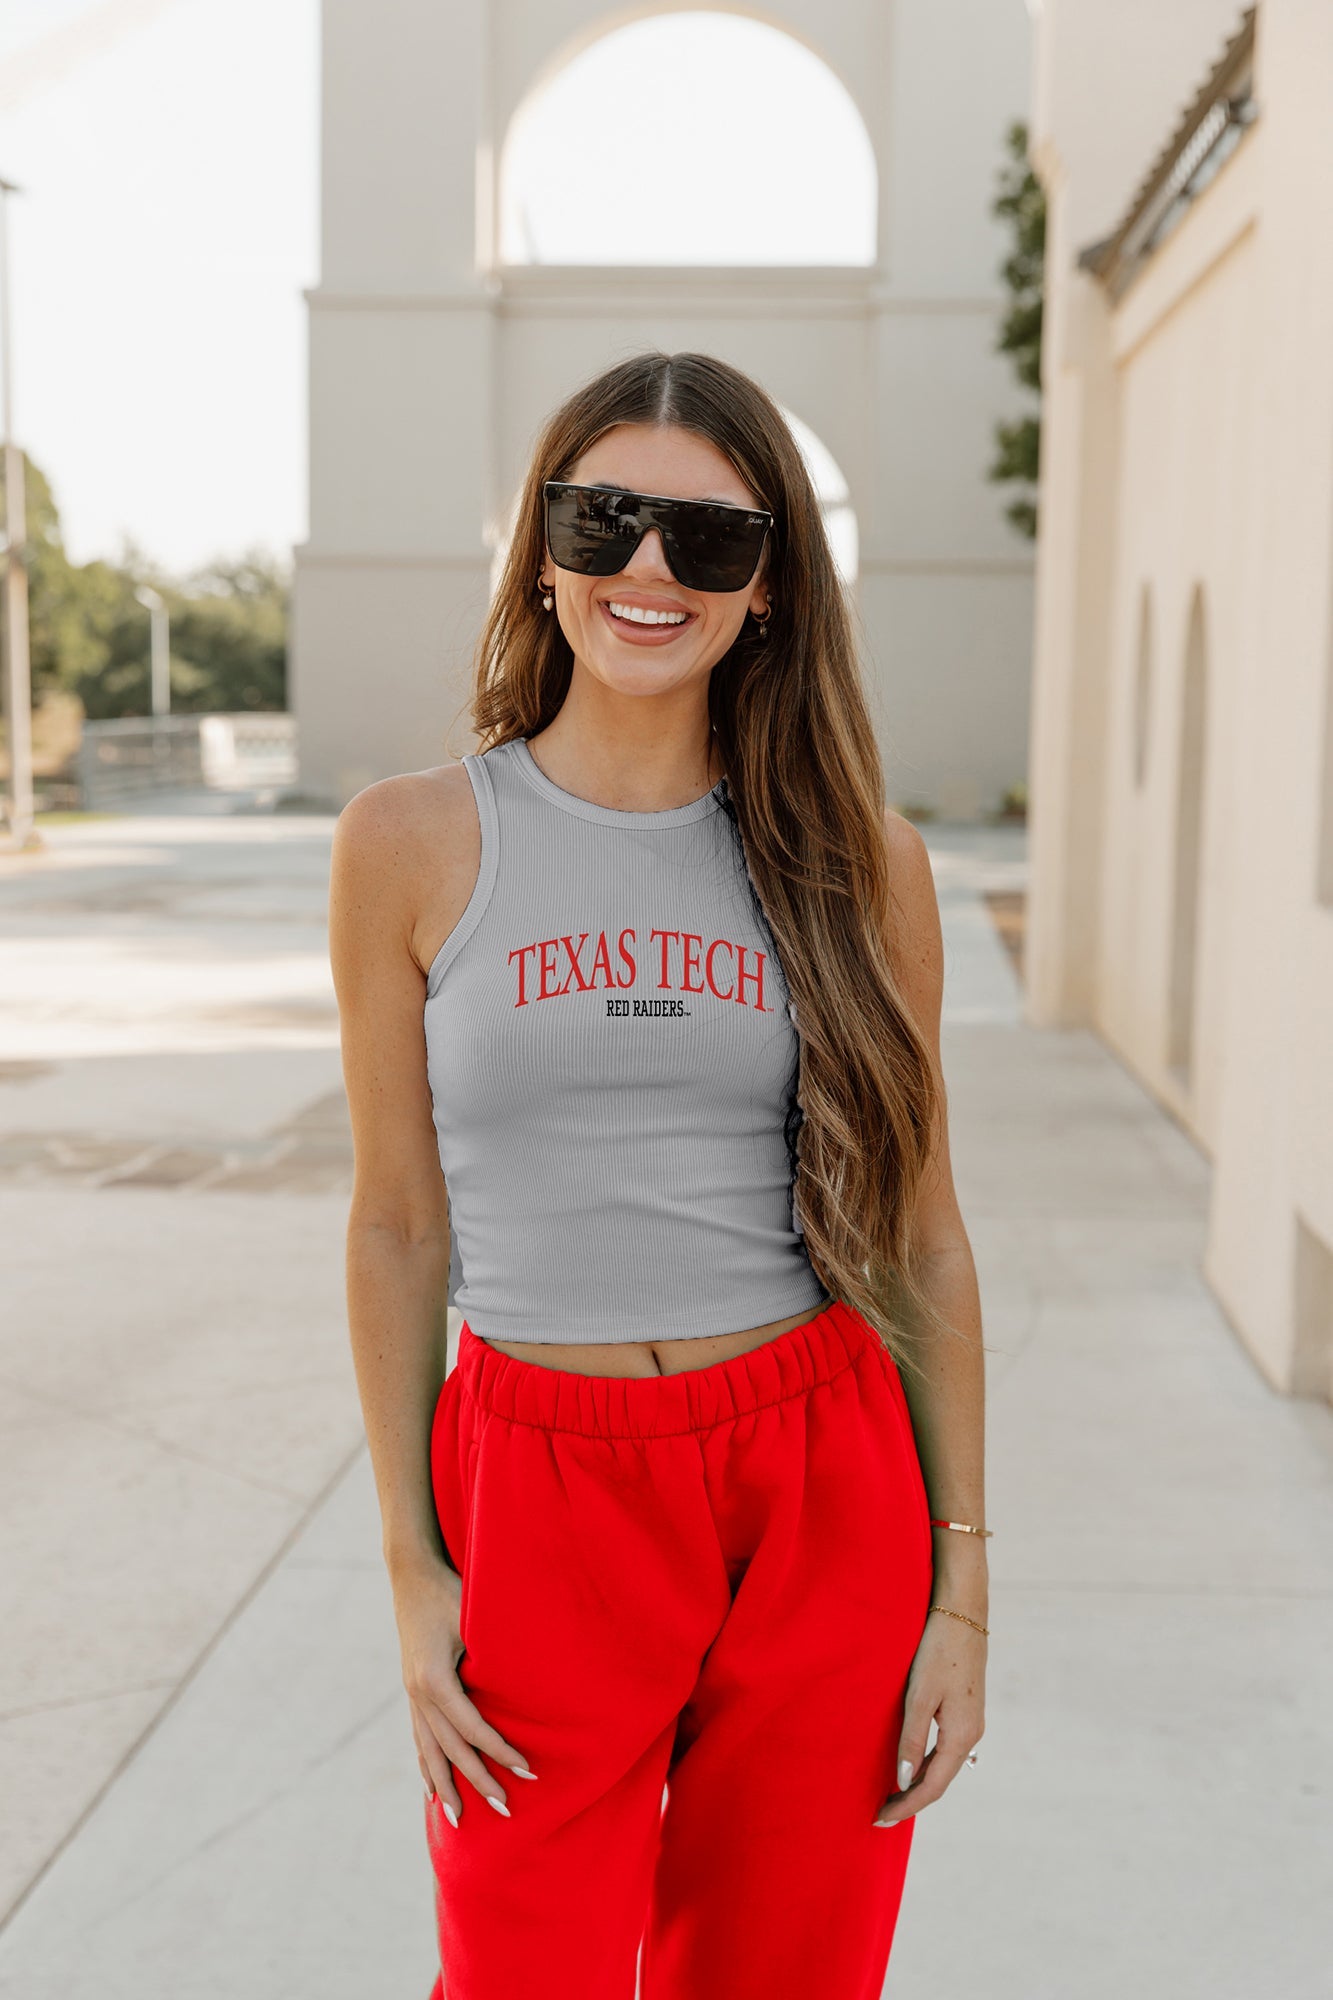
<point x="650" y="1357"/>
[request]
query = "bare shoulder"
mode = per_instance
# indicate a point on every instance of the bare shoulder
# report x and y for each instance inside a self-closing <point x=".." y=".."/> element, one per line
<point x="406" y="852"/>
<point x="410" y="806"/>
<point x="907" y="848"/>
<point x="917" y="938"/>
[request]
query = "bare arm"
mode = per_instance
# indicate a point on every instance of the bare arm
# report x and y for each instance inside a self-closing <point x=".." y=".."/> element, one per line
<point x="405" y="856"/>
<point x="398" y="1230"/>
<point x="947" y="1401"/>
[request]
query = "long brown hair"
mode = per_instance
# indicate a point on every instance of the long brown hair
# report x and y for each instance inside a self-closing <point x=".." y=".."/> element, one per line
<point x="806" y="791"/>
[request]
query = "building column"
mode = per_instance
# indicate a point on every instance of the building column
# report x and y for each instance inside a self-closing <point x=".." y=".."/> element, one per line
<point x="393" y="582"/>
<point x="1071" y="655"/>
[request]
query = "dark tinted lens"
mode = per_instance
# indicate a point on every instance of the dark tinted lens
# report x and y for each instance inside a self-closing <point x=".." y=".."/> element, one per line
<point x="712" y="548"/>
<point x="593" y="533"/>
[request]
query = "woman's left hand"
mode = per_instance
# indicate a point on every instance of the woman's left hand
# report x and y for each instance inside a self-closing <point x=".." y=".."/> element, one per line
<point x="947" y="1682"/>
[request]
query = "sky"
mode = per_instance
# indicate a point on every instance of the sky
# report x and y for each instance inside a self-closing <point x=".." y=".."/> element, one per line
<point x="167" y="224"/>
<point x="169" y="220"/>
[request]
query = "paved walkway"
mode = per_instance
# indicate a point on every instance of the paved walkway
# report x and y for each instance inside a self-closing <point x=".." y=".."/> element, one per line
<point x="208" y="1783"/>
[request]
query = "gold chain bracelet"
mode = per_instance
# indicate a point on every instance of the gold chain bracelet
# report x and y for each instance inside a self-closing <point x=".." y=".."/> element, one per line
<point x="963" y="1615"/>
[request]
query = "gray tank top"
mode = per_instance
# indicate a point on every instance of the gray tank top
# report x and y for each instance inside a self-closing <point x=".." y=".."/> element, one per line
<point x="613" y="1065"/>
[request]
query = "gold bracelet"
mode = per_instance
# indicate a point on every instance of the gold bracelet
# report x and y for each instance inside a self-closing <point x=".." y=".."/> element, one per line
<point x="963" y="1615"/>
<point x="964" y="1525"/>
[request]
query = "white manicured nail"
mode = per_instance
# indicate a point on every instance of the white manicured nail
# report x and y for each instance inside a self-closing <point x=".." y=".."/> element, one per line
<point x="905" y="1770"/>
<point x="450" y="1814"/>
<point x="519" y="1771"/>
<point x="498" y="1806"/>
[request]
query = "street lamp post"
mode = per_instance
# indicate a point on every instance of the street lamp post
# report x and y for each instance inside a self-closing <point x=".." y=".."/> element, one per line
<point x="161" y="647"/>
<point x="18" y="675"/>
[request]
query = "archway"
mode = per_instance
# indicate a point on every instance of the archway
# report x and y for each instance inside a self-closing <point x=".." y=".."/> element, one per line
<point x="429" y="351"/>
<point x="594" y="172"/>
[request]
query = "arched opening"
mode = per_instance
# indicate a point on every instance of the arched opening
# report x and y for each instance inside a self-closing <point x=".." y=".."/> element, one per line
<point x="1188" y="864"/>
<point x="689" y="138"/>
<point x="833" y="494"/>
<point x="1143" y="689"/>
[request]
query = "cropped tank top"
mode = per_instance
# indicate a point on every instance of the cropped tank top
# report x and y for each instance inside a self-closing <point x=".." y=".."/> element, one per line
<point x="612" y="1062"/>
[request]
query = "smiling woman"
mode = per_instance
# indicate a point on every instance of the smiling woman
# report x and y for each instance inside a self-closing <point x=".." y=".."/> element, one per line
<point x="649" y="984"/>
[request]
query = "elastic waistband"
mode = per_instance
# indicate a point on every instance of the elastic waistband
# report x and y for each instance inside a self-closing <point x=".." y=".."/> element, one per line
<point x="558" y="1399"/>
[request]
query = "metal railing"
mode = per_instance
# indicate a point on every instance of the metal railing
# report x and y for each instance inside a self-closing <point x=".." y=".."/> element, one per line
<point x="240" y="752"/>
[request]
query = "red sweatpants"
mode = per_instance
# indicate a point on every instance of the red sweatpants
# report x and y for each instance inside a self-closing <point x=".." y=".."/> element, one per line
<point x="714" y="1583"/>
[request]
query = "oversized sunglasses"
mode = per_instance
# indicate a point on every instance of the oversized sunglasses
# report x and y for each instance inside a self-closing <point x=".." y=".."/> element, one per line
<point x="594" y="530"/>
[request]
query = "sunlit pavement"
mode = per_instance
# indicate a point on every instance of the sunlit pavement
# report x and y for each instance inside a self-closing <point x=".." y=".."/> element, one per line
<point x="208" y="1778"/>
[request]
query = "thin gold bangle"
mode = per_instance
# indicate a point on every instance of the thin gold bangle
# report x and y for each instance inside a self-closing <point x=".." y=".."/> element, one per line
<point x="963" y="1615"/>
<point x="965" y="1526"/>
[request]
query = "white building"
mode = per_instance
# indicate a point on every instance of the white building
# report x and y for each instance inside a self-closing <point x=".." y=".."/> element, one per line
<point x="432" y="362"/>
<point x="1182" y="741"/>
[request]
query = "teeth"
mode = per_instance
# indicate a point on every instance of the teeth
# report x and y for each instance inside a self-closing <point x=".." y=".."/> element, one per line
<point x="638" y="616"/>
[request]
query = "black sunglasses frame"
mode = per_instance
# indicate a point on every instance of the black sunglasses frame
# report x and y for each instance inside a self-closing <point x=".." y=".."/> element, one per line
<point x="681" y="524"/>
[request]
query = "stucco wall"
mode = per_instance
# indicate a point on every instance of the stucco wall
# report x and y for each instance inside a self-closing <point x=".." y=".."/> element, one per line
<point x="1188" y="462"/>
<point x="1185" y="523"/>
<point x="426" y="356"/>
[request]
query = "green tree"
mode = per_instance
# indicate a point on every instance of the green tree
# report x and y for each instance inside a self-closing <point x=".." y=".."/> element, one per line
<point x="56" y="631"/>
<point x="89" y="634"/>
<point x="229" y="634"/>
<point x="1021" y="203"/>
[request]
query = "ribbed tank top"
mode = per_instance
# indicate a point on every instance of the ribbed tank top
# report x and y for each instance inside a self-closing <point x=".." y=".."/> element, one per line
<point x="613" y="1066"/>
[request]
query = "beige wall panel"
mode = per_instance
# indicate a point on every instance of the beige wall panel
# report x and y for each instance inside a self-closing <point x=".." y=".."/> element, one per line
<point x="397" y="159"/>
<point x="400" y="431"/>
<point x="1186" y="519"/>
<point x="949" y="663"/>
<point x="940" y="389"/>
<point x="960" y="73"/>
<point x="1273" y="1158"/>
<point x="1071" y="616"/>
<point x="388" y="646"/>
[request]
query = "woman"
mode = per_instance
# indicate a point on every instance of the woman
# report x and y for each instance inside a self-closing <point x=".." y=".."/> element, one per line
<point x="681" y="1573"/>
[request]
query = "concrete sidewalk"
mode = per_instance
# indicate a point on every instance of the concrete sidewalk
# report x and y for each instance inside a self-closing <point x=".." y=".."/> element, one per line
<point x="210" y="1787"/>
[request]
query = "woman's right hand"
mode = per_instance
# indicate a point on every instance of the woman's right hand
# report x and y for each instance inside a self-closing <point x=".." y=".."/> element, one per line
<point x="448" y="1728"/>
